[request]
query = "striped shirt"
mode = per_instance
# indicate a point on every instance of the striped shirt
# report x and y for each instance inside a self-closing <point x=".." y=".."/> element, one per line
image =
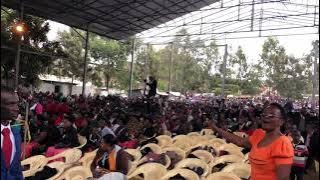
<point x="300" y="155"/>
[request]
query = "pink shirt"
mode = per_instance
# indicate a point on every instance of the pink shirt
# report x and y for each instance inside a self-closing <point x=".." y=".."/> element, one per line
<point x="39" y="109"/>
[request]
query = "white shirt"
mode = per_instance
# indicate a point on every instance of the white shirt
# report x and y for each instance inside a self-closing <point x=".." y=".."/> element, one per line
<point x="115" y="127"/>
<point x="12" y="141"/>
<point x="106" y="131"/>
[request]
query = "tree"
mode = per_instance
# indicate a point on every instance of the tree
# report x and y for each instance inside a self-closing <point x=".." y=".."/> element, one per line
<point x="110" y="56"/>
<point x="286" y="74"/>
<point x="241" y="60"/>
<point x="252" y="83"/>
<point x="73" y="45"/>
<point x="34" y="39"/>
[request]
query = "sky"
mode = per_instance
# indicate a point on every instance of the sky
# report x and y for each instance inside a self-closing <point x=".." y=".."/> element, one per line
<point x="297" y="45"/>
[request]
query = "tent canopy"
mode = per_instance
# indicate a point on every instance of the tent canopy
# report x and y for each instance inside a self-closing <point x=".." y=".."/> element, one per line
<point x="116" y="19"/>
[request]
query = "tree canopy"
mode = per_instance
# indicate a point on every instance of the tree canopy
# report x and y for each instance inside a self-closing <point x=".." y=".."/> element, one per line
<point x="196" y="64"/>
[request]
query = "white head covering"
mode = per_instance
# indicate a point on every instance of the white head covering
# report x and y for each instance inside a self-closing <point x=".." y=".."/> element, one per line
<point x="114" y="176"/>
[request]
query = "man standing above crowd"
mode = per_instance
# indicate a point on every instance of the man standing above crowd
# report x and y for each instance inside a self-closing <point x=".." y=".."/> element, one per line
<point x="152" y="86"/>
<point x="10" y="137"/>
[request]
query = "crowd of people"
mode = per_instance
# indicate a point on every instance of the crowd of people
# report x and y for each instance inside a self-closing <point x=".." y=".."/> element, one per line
<point x="113" y="123"/>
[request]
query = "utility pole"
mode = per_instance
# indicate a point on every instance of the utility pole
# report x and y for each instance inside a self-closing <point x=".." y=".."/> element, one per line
<point x="131" y="67"/>
<point x="18" y="56"/>
<point x="252" y="15"/>
<point x="224" y="69"/>
<point x="147" y="59"/>
<point x="314" y="77"/>
<point x="170" y="66"/>
<point x="85" y="64"/>
<point x="260" y="22"/>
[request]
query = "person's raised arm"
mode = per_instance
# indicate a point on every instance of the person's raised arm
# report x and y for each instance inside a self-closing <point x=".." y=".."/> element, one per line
<point x="242" y="142"/>
<point x="283" y="171"/>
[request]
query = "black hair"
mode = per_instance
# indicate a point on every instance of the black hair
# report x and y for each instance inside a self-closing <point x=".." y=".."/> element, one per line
<point x="296" y="132"/>
<point x="110" y="139"/>
<point x="145" y="151"/>
<point x="69" y="117"/>
<point x="283" y="113"/>
<point x="5" y="112"/>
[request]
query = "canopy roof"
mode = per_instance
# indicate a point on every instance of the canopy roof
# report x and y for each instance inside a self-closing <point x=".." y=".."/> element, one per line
<point x="116" y="19"/>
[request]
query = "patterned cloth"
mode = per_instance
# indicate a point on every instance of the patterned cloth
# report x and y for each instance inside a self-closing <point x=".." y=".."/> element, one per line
<point x="300" y="155"/>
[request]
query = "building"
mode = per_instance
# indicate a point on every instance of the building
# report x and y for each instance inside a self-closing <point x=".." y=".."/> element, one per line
<point x="64" y="85"/>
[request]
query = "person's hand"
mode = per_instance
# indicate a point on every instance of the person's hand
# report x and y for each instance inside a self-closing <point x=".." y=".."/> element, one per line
<point x="213" y="125"/>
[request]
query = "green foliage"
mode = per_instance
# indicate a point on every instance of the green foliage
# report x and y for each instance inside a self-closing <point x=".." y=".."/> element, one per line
<point x="110" y="55"/>
<point x="191" y="67"/>
<point x="73" y="45"/>
<point x="34" y="39"/>
<point x="107" y="58"/>
<point x="288" y="75"/>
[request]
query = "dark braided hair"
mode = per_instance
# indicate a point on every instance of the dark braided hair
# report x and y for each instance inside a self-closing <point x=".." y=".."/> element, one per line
<point x="281" y="109"/>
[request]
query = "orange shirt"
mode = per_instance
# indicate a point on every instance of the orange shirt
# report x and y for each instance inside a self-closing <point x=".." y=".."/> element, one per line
<point x="264" y="160"/>
<point x="112" y="161"/>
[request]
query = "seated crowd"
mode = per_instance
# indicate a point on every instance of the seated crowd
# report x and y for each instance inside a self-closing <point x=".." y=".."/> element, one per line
<point x="112" y="125"/>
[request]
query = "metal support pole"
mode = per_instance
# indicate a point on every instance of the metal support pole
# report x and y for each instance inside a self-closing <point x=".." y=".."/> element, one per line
<point x="314" y="77"/>
<point x="315" y="16"/>
<point x="252" y="15"/>
<point x="239" y="10"/>
<point x="146" y="68"/>
<point x="18" y="56"/>
<point x="212" y="30"/>
<point x="170" y="67"/>
<point x="224" y="69"/>
<point x="26" y="130"/>
<point x="131" y="67"/>
<point x="201" y="25"/>
<point x="85" y="64"/>
<point x="260" y="23"/>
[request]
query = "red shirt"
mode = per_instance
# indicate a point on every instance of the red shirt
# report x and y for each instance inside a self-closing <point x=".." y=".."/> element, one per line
<point x="250" y="132"/>
<point x="129" y="144"/>
<point x="58" y="121"/>
<point x="52" y="107"/>
<point x="62" y="108"/>
<point x="79" y="122"/>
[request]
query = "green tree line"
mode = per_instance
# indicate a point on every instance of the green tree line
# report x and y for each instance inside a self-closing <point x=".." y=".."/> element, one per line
<point x="194" y="65"/>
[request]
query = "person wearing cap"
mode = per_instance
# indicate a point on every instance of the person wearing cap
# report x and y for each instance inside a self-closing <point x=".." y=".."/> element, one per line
<point x="271" y="154"/>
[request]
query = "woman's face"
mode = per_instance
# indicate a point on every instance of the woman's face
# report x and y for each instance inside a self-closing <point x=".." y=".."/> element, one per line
<point x="66" y="123"/>
<point x="271" y="119"/>
<point x="104" y="146"/>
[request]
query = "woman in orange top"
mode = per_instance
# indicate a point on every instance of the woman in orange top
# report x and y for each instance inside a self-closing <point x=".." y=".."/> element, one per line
<point x="110" y="158"/>
<point x="271" y="153"/>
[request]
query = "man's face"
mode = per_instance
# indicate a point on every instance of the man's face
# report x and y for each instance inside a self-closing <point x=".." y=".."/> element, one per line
<point x="296" y="137"/>
<point x="9" y="106"/>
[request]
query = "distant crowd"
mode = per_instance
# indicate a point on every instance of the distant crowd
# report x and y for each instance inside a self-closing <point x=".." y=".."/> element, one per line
<point x="55" y="121"/>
